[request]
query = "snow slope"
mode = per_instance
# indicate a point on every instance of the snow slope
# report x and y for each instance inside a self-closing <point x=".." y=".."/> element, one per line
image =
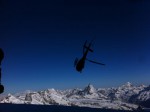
<point x="125" y="97"/>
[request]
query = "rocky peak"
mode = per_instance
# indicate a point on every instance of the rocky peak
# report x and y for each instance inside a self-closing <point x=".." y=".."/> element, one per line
<point x="89" y="89"/>
<point x="128" y="84"/>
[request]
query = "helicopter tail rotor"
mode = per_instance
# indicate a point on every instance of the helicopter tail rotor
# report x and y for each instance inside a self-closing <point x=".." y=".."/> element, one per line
<point x="87" y="47"/>
<point x="75" y="62"/>
<point x="84" y="46"/>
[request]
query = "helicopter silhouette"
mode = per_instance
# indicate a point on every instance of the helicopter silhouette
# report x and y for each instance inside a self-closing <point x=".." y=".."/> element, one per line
<point x="79" y="64"/>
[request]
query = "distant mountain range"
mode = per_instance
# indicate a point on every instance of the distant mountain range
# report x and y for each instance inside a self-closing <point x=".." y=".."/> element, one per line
<point x="125" y="97"/>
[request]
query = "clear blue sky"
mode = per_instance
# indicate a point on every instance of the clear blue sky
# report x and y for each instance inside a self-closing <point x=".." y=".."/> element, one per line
<point x="41" y="39"/>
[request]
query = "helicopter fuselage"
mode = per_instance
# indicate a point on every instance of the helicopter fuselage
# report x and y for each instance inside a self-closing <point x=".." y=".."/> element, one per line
<point x="81" y="62"/>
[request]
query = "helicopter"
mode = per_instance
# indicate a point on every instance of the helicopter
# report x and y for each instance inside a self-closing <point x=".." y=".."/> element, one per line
<point x="79" y="64"/>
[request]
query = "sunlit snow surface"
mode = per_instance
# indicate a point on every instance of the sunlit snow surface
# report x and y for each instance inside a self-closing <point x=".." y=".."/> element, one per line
<point x="125" y="97"/>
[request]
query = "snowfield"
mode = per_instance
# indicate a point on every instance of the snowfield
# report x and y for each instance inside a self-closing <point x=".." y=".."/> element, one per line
<point x="125" y="97"/>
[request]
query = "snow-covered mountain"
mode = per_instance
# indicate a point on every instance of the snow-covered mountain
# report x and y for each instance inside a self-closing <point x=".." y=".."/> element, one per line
<point x="125" y="97"/>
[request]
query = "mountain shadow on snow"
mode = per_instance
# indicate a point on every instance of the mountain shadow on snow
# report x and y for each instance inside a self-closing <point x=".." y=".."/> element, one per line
<point x="50" y="108"/>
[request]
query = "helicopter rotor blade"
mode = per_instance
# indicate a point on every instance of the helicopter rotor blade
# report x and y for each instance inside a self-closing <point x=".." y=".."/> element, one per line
<point x="84" y="46"/>
<point x="95" y="62"/>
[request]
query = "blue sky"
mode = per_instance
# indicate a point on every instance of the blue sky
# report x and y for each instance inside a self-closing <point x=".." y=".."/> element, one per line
<point x="41" y="40"/>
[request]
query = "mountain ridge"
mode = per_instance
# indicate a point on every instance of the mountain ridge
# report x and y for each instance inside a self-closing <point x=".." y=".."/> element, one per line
<point x="125" y="97"/>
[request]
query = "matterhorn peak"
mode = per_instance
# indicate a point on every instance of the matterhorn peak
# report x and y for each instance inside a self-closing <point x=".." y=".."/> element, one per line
<point x="128" y="84"/>
<point x="90" y="89"/>
<point x="52" y="90"/>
